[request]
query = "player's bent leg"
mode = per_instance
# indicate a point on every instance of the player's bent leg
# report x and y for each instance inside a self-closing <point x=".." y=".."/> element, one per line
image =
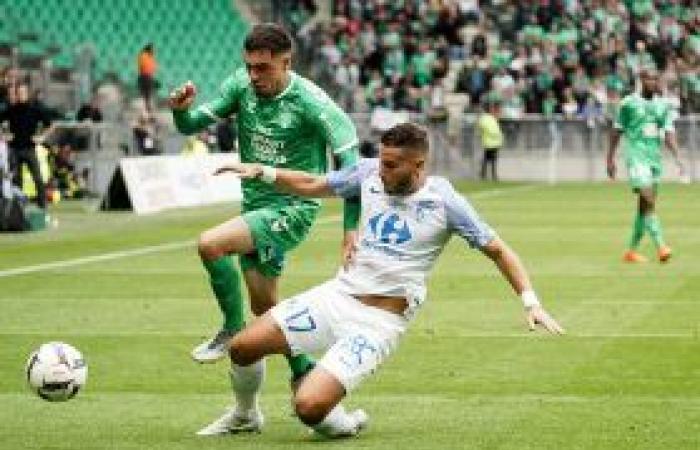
<point x="263" y="291"/>
<point x="214" y="247"/>
<point x="261" y="338"/>
<point x="263" y="294"/>
<point x="317" y="404"/>
<point x="247" y="350"/>
<point x="232" y="236"/>
<point x="317" y="394"/>
<point x="245" y="414"/>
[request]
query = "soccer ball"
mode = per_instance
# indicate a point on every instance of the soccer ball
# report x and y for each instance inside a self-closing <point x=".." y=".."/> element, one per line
<point x="56" y="371"/>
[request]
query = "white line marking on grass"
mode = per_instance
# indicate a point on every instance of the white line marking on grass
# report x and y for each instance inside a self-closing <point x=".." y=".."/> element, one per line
<point x="539" y="334"/>
<point x="501" y="191"/>
<point x="542" y="333"/>
<point x="116" y="255"/>
<point x="183" y="244"/>
<point x="96" y="258"/>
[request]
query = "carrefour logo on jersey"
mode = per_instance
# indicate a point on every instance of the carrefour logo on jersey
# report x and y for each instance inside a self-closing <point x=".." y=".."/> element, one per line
<point x="389" y="228"/>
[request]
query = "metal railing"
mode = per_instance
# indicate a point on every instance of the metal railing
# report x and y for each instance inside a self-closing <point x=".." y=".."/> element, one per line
<point x="559" y="148"/>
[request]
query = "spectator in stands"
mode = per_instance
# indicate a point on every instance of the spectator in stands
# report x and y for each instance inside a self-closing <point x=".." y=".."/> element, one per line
<point x="145" y="134"/>
<point x="147" y="67"/>
<point x="90" y="112"/>
<point x="569" y="106"/>
<point x="589" y="46"/>
<point x="347" y="79"/>
<point x="64" y="177"/>
<point x="4" y="89"/>
<point x="25" y="121"/>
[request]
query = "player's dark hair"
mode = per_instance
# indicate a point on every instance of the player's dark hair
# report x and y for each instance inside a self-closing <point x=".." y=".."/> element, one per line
<point x="406" y="136"/>
<point x="268" y="36"/>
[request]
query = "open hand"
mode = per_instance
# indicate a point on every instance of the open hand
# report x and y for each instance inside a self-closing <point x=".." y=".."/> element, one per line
<point x="242" y="170"/>
<point x="536" y="315"/>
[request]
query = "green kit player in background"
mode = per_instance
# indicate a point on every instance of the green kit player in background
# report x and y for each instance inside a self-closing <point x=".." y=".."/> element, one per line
<point x="646" y="121"/>
<point x="284" y="121"/>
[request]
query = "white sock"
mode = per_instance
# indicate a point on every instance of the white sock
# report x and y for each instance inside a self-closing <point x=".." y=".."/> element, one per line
<point x="337" y="423"/>
<point x="245" y="383"/>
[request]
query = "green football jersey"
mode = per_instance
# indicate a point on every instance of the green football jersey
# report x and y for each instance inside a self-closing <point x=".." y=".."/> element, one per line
<point x="643" y="124"/>
<point x="292" y="130"/>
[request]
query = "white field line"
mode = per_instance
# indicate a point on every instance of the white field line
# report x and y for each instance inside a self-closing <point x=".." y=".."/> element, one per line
<point x="115" y="255"/>
<point x="537" y="335"/>
<point x="496" y="302"/>
<point x="183" y="244"/>
<point x="413" y="399"/>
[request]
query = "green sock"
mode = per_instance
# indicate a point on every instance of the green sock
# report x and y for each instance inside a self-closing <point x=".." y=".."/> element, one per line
<point x="300" y="365"/>
<point x="637" y="232"/>
<point x="653" y="226"/>
<point x="226" y="284"/>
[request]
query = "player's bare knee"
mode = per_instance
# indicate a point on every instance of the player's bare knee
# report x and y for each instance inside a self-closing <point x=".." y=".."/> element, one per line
<point x="310" y="409"/>
<point x="240" y="352"/>
<point x="261" y="304"/>
<point x="207" y="248"/>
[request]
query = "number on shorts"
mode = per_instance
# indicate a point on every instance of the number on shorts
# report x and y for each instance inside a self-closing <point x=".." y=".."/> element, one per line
<point x="301" y="321"/>
<point x="357" y="347"/>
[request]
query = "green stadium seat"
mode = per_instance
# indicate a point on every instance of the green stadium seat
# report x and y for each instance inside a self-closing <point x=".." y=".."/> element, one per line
<point x="119" y="30"/>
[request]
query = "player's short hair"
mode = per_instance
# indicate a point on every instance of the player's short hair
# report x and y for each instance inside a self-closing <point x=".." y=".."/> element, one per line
<point x="406" y="136"/>
<point x="268" y="36"/>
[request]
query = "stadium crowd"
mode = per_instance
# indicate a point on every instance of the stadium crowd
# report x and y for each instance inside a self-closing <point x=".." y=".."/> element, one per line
<point x="572" y="57"/>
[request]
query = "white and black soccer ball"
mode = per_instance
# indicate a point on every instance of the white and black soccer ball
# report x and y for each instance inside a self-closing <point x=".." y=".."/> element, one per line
<point x="56" y="371"/>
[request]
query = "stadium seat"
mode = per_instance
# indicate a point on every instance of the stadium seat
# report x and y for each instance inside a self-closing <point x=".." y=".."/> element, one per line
<point x="119" y="31"/>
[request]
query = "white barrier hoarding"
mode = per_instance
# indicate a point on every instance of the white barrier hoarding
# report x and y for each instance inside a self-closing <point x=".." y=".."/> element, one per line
<point x="157" y="183"/>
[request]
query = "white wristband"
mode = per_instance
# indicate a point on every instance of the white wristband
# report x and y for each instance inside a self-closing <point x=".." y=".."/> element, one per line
<point x="529" y="299"/>
<point x="268" y="174"/>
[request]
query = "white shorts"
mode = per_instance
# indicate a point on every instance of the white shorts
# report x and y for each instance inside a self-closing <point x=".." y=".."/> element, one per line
<point x="357" y="338"/>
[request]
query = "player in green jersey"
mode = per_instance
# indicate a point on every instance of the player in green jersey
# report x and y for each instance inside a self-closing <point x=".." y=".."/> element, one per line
<point x="285" y="121"/>
<point x="646" y="122"/>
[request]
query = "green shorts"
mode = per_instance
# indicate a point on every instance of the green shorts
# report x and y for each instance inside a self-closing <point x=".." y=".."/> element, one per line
<point x="275" y="231"/>
<point x="643" y="174"/>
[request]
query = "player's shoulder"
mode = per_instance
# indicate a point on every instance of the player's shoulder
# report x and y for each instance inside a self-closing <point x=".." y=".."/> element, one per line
<point x="309" y="93"/>
<point x="236" y="81"/>
<point x="440" y="185"/>
<point x="438" y="189"/>
<point x="366" y="167"/>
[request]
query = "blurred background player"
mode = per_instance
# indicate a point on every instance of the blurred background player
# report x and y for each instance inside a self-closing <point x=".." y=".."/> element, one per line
<point x="284" y="120"/>
<point x="358" y="317"/>
<point x="645" y="120"/>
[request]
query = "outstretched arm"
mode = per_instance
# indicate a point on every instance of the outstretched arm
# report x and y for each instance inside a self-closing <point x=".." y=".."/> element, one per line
<point x="513" y="270"/>
<point x="611" y="168"/>
<point x="672" y="144"/>
<point x="293" y="181"/>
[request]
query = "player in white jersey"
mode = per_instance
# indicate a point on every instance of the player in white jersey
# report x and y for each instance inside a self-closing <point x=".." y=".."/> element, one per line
<point x="358" y="316"/>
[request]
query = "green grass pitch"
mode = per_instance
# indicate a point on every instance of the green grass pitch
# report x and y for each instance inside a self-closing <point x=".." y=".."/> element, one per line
<point x="467" y="374"/>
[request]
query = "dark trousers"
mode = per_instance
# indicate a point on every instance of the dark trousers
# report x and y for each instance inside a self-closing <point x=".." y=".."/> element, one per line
<point x="490" y="158"/>
<point x="147" y="85"/>
<point x="19" y="156"/>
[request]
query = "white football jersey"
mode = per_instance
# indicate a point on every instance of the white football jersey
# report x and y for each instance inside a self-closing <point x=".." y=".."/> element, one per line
<point x="400" y="237"/>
